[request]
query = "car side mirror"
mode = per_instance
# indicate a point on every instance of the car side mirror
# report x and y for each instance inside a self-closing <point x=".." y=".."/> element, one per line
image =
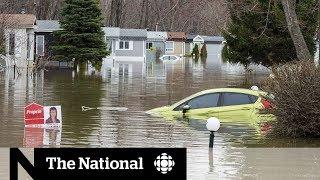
<point x="185" y="108"/>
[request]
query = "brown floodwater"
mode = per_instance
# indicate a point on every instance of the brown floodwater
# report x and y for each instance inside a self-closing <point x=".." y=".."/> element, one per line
<point x="138" y="86"/>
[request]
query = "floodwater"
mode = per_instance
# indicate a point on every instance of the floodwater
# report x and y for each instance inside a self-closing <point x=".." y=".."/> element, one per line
<point x="140" y="86"/>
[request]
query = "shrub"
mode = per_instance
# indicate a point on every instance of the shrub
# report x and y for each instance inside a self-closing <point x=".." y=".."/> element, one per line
<point x="188" y="55"/>
<point x="153" y="49"/>
<point x="195" y="51"/>
<point x="296" y="99"/>
<point x="204" y="51"/>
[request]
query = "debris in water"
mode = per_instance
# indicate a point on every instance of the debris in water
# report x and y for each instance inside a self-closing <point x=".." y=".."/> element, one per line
<point x="84" y="108"/>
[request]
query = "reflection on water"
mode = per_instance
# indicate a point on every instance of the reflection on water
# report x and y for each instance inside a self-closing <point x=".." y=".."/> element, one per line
<point x="139" y="86"/>
<point x="40" y="137"/>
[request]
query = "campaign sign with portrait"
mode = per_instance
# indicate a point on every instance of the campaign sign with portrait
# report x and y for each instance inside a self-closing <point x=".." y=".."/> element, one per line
<point x="52" y="116"/>
<point x="36" y="115"/>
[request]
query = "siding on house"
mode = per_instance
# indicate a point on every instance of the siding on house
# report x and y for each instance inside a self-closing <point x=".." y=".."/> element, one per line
<point x="179" y="43"/>
<point x="136" y="38"/>
<point x="136" y="51"/>
<point x="18" y="34"/>
<point x="112" y="34"/>
<point x="187" y="47"/>
<point x="158" y="39"/>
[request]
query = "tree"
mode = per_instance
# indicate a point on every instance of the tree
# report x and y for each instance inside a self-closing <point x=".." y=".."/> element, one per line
<point x="82" y="38"/>
<point x="302" y="51"/>
<point x="195" y="51"/>
<point x="2" y="42"/>
<point x="116" y="12"/>
<point x="204" y="52"/>
<point x="258" y="32"/>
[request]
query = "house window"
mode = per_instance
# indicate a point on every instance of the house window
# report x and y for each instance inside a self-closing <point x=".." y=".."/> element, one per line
<point x="149" y="45"/>
<point x="12" y="43"/>
<point x="169" y="46"/>
<point x="109" y="45"/>
<point x="124" y="45"/>
<point x="40" y="45"/>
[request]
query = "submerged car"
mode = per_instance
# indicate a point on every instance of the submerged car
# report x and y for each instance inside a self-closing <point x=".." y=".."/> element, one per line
<point x="169" y="58"/>
<point x="227" y="104"/>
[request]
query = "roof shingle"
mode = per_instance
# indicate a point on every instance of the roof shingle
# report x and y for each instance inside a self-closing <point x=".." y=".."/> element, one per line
<point x="176" y="35"/>
<point x="18" y="20"/>
<point x="47" y="26"/>
<point x="133" y="33"/>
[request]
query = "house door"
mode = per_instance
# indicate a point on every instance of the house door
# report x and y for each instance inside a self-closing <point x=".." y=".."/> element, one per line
<point x="40" y="45"/>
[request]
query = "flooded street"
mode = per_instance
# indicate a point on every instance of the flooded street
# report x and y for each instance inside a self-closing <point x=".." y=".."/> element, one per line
<point x="138" y="86"/>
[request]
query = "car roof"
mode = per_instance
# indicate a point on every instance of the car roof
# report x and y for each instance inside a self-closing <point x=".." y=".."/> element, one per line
<point x="235" y="90"/>
<point x="222" y="90"/>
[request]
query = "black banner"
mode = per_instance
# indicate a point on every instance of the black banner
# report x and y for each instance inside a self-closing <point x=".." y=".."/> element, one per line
<point x="99" y="163"/>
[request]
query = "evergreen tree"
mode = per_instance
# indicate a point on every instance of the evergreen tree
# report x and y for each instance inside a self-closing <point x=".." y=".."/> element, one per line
<point x="195" y="51"/>
<point x="81" y="38"/>
<point x="204" y="52"/>
<point x="260" y="35"/>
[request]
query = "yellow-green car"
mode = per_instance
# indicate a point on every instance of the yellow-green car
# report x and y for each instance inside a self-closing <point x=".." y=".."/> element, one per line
<point x="227" y="104"/>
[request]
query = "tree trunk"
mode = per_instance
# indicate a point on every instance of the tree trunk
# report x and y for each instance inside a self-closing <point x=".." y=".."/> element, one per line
<point x="294" y="30"/>
<point x="146" y="18"/>
<point x="116" y="12"/>
<point x="319" y="32"/>
<point x="119" y="13"/>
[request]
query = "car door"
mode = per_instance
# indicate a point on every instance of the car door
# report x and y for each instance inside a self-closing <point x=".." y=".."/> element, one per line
<point x="236" y="106"/>
<point x="203" y="106"/>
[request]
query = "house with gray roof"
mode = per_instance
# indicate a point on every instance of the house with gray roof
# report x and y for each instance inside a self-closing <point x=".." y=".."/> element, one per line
<point x="189" y="41"/>
<point x="18" y="32"/>
<point x="44" y="37"/>
<point x="126" y="44"/>
<point x="211" y="42"/>
<point x="156" y="43"/>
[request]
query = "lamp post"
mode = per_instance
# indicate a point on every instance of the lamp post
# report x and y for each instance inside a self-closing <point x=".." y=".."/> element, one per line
<point x="213" y="125"/>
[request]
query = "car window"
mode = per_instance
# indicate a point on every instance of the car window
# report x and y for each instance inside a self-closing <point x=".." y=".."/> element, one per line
<point x="230" y="99"/>
<point x="253" y="98"/>
<point x="204" y="101"/>
<point x="169" y="58"/>
<point x="179" y="108"/>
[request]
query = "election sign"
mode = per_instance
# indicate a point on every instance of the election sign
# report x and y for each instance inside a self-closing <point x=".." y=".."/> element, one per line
<point x="33" y="114"/>
<point x="52" y="115"/>
<point x="38" y="115"/>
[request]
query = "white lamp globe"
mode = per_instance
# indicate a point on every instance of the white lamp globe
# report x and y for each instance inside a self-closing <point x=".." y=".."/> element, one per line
<point x="213" y="124"/>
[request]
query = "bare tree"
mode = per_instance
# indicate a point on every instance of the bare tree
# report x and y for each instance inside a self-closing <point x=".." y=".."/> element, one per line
<point x="144" y="14"/>
<point x="204" y="17"/>
<point x="116" y="12"/>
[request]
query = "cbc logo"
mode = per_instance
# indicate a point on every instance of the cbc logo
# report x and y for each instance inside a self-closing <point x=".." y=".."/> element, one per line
<point x="164" y="163"/>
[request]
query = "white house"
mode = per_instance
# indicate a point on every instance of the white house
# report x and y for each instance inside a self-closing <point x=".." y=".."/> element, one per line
<point x="19" y="38"/>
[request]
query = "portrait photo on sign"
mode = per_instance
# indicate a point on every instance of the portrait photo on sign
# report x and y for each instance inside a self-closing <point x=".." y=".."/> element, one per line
<point x="52" y="115"/>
